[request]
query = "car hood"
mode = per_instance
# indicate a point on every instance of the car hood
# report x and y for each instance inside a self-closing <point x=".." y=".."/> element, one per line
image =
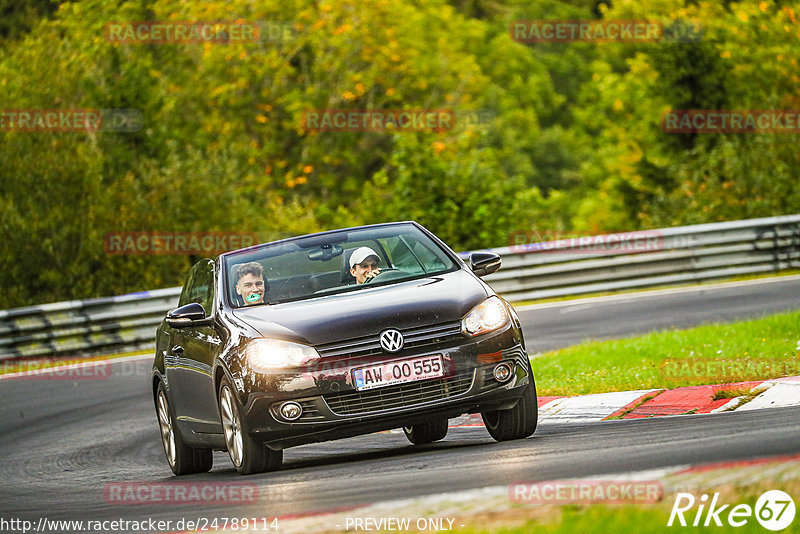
<point x="431" y="300"/>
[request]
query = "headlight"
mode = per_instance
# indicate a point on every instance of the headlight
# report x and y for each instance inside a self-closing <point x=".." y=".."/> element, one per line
<point x="269" y="354"/>
<point x="487" y="316"/>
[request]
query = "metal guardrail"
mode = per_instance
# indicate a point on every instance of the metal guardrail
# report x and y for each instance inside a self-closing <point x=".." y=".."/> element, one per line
<point x="668" y="256"/>
<point x="530" y="271"/>
<point x="93" y="326"/>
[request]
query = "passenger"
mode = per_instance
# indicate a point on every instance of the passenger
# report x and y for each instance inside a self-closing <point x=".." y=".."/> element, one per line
<point x="250" y="283"/>
<point x="364" y="264"/>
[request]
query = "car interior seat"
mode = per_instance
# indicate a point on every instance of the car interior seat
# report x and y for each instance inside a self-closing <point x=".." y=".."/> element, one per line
<point x="346" y="277"/>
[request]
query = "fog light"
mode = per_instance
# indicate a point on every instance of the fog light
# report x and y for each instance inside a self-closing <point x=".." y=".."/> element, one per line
<point x="502" y="372"/>
<point x="291" y="411"/>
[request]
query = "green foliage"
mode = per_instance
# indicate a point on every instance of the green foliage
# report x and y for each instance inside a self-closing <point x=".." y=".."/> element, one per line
<point x="18" y="17"/>
<point x="572" y="141"/>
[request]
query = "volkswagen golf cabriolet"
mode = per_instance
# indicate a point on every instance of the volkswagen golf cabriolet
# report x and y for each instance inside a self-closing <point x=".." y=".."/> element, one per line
<point x="332" y="335"/>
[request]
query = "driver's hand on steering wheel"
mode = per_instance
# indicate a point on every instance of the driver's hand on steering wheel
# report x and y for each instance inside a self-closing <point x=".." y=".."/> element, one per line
<point x="372" y="274"/>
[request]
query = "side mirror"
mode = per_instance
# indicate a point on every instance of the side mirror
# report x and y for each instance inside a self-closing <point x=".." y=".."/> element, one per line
<point x="483" y="263"/>
<point x="189" y="314"/>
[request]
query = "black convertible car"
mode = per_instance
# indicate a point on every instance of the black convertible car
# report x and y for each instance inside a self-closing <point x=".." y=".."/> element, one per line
<point x="332" y="335"/>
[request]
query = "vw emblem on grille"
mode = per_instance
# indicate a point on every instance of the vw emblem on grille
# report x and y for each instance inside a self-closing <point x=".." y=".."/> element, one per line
<point x="391" y="340"/>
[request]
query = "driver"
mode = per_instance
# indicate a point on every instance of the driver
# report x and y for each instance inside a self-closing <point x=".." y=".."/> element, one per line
<point x="364" y="264"/>
<point x="250" y="283"/>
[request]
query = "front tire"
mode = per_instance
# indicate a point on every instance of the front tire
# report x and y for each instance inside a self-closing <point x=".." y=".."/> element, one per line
<point x="248" y="455"/>
<point x="426" y="432"/>
<point x="517" y="423"/>
<point x="182" y="459"/>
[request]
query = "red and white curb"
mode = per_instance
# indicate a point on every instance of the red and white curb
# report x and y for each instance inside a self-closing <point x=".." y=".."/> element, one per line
<point x="640" y="404"/>
<point x="775" y="394"/>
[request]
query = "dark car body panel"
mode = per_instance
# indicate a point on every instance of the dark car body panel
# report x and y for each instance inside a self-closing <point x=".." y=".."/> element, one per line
<point x="344" y="328"/>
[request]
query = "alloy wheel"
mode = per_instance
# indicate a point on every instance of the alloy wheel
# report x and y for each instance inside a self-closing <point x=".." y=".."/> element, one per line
<point x="167" y="430"/>
<point x="231" y="425"/>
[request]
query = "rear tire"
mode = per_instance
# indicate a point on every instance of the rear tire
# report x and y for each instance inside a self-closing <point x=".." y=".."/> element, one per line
<point x="426" y="432"/>
<point x="518" y="422"/>
<point x="248" y="455"/>
<point x="182" y="459"/>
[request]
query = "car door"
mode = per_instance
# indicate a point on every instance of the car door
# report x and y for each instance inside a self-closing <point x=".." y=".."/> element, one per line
<point x="191" y="355"/>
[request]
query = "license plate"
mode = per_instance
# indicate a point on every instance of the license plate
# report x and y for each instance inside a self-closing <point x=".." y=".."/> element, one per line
<point x="398" y="372"/>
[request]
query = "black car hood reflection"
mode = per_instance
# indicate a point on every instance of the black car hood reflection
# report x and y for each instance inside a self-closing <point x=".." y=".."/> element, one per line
<point x="426" y="301"/>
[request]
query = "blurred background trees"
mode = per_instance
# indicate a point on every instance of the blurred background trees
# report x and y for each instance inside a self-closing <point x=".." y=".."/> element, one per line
<point x="549" y="137"/>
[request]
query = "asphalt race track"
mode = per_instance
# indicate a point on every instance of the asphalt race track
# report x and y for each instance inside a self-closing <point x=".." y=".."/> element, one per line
<point x="63" y="441"/>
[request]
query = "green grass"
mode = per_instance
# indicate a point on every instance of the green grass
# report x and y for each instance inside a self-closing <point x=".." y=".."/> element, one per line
<point x="731" y="393"/>
<point x="609" y="519"/>
<point x="579" y="519"/>
<point x="757" y="349"/>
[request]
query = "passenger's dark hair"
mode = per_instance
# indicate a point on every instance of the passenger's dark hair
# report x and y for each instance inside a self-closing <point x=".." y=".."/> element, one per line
<point x="252" y="267"/>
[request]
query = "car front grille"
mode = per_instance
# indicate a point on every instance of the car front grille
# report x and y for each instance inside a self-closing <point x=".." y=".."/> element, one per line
<point x="489" y="380"/>
<point x="310" y="412"/>
<point x="398" y="396"/>
<point x="412" y="337"/>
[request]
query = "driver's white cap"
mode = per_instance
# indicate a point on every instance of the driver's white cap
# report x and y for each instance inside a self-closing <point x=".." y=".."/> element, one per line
<point x="360" y="254"/>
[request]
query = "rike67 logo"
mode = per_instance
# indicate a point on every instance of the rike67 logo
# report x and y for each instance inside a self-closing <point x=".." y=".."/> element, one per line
<point x="774" y="510"/>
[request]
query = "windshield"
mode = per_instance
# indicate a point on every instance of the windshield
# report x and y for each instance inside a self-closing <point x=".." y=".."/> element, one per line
<point x="335" y="262"/>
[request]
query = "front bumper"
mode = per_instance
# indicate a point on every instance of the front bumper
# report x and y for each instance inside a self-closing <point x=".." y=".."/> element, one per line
<point x="333" y="408"/>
